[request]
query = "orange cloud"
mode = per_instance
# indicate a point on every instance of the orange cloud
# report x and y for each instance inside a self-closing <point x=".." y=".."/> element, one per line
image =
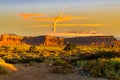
<point x="65" y="18"/>
<point x="84" y="25"/>
<point x="60" y="18"/>
<point x="68" y="25"/>
<point x="43" y="19"/>
<point x="92" y="25"/>
<point x="31" y="15"/>
<point x="38" y="26"/>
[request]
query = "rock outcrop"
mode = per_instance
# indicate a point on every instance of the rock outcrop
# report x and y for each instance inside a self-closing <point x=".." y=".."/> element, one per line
<point x="54" y="41"/>
<point x="9" y="39"/>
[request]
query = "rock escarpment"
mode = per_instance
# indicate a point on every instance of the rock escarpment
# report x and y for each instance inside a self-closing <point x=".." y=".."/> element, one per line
<point x="8" y="39"/>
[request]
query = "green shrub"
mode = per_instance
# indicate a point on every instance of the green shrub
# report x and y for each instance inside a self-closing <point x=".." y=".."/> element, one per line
<point x="69" y="46"/>
<point x="80" y="63"/>
<point x="59" y="62"/>
<point x="64" y="69"/>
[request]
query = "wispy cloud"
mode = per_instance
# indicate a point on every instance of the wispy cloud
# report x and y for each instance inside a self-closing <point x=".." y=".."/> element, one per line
<point x="31" y="15"/>
<point x="69" y="25"/>
<point x="43" y="19"/>
<point x="83" y="25"/>
<point x="61" y="18"/>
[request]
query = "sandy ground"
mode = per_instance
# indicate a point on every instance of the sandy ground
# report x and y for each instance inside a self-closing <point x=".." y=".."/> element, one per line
<point x="41" y="71"/>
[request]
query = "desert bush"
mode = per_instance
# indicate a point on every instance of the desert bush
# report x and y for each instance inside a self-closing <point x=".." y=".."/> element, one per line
<point x="45" y="53"/>
<point x="103" y="68"/>
<point x="80" y="63"/>
<point x="69" y="46"/>
<point x="99" y="54"/>
<point x="12" y="58"/>
<point x="31" y="63"/>
<point x="59" y="62"/>
<point x="62" y="66"/>
<point x="64" y="69"/>
<point x="33" y="49"/>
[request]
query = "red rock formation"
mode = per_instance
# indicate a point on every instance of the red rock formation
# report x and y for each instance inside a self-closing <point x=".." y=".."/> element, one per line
<point x="7" y="39"/>
<point x="54" y="41"/>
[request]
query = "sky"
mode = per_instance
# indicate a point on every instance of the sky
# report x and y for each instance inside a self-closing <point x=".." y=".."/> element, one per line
<point x="36" y="17"/>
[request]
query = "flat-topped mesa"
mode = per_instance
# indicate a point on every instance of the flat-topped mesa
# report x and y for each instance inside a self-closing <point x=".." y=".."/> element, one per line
<point x="9" y="39"/>
<point x="92" y="40"/>
<point x="44" y="40"/>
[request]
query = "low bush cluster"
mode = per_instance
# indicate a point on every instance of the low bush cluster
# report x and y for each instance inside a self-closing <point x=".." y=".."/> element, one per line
<point x="104" y="68"/>
<point x="22" y="58"/>
<point x="99" y="54"/>
<point x="62" y="67"/>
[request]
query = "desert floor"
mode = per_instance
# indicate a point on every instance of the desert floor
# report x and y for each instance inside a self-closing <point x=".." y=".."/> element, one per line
<point x="41" y="71"/>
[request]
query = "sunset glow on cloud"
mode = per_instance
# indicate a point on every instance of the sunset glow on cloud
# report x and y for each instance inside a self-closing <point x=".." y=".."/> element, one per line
<point x="84" y="25"/>
<point x="74" y="34"/>
<point x="62" y="18"/>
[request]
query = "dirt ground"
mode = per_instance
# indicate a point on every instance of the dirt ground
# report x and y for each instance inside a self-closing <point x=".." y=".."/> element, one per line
<point x="41" y="71"/>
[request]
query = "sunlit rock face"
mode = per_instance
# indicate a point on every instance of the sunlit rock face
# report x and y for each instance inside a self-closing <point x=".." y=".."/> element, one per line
<point x="9" y="39"/>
